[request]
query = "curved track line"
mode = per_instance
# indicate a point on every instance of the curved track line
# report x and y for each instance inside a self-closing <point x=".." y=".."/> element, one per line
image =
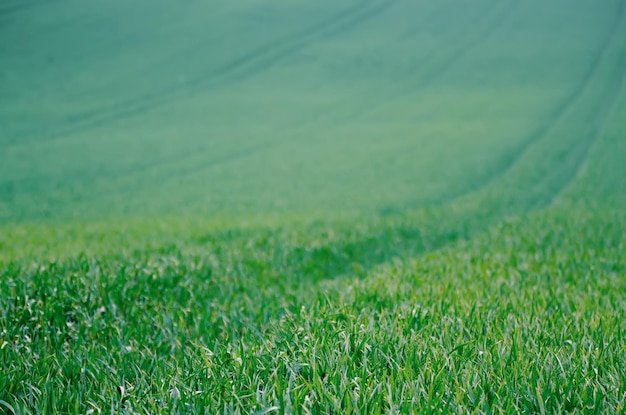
<point x="439" y="239"/>
<point x="601" y="130"/>
<point x="600" y="126"/>
<point x="197" y="166"/>
<point x="251" y="56"/>
<point x="582" y="148"/>
<point x="497" y="18"/>
<point x="476" y="221"/>
<point x="557" y="116"/>
<point x="252" y="62"/>
<point x="249" y="150"/>
<point x="497" y="14"/>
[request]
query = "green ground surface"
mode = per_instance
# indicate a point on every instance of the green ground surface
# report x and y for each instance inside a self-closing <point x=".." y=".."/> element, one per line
<point x="376" y="206"/>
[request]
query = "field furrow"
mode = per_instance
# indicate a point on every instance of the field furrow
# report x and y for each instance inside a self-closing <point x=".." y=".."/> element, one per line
<point x="562" y="114"/>
<point x="249" y="64"/>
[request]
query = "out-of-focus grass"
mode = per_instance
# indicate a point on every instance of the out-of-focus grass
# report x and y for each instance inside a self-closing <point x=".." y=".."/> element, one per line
<point x="125" y="110"/>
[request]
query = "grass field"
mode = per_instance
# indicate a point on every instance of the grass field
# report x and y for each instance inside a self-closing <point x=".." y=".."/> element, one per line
<point x="365" y="206"/>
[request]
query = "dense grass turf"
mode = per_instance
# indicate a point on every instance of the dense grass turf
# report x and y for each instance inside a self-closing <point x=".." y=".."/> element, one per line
<point x="313" y="207"/>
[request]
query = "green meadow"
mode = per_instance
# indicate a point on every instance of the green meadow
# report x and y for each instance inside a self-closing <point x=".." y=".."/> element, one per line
<point x="311" y="207"/>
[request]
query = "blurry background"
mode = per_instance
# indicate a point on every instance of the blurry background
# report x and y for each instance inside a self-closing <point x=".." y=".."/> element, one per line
<point x="272" y="107"/>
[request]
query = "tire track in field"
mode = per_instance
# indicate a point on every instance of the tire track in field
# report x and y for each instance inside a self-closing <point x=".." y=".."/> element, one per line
<point x="457" y="55"/>
<point x="498" y="16"/>
<point x="578" y="157"/>
<point x="133" y="106"/>
<point x="409" y="239"/>
<point x="216" y="161"/>
<point x="254" y="62"/>
<point x="498" y="13"/>
<point x="599" y="130"/>
<point x="374" y="9"/>
<point x="556" y="117"/>
<point x="546" y="188"/>
<point x="455" y="222"/>
<point x="220" y="74"/>
<point x="494" y="21"/>
<point x="198" y="165"/>
<point x="581" y="149"/>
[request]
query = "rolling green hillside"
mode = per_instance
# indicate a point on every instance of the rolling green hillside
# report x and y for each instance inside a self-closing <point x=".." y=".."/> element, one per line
<point x="355" y="207"/>
<point x="303" y="108"/>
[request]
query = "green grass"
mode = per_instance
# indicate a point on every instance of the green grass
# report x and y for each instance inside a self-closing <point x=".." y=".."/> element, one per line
<point x="313" y="207"/>
<point x="300" y="109"/>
